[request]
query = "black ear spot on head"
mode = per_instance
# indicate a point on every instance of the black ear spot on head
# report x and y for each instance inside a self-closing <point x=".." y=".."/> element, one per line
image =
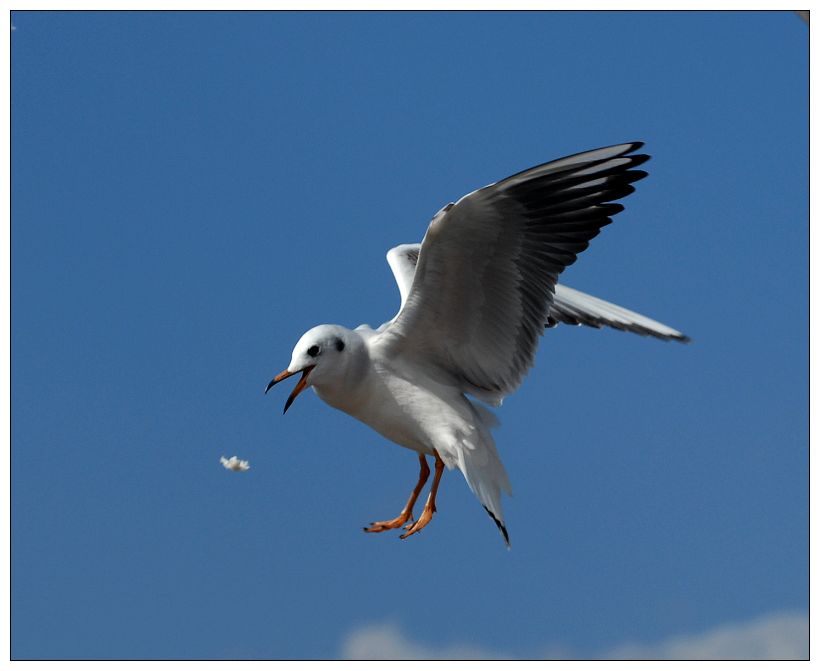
<point x="339" y="344"/>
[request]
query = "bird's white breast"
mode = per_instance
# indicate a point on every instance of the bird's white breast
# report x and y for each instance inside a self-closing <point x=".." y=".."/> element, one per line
<point x="402" y="405"/>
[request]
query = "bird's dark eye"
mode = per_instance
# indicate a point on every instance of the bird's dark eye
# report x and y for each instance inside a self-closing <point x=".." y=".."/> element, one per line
<point x="313" y="350"/>
<point x="339" y="344"/>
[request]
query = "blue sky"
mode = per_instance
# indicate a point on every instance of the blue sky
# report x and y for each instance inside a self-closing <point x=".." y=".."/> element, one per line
<point x="193" y="191"/>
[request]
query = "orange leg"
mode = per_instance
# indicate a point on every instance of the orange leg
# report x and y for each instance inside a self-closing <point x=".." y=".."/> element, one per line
<point x="407" y="511"/>
<point x="430" y="506"/>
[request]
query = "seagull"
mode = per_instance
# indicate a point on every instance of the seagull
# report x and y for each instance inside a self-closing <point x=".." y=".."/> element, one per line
<point x="476" y="295"/>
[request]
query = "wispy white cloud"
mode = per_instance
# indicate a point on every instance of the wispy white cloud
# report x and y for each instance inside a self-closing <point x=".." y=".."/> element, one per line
<point x="386" y="641"/>
<point x="774" y="636"/>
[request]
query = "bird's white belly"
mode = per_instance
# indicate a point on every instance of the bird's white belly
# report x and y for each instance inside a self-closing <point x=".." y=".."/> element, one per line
<point x="409" y="414"/>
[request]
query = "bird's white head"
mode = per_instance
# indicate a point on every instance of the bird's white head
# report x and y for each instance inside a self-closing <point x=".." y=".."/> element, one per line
<point x="322" y="356"/>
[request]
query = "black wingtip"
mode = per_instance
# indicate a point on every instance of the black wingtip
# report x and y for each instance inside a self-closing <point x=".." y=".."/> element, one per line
<point x="500" y="526"/>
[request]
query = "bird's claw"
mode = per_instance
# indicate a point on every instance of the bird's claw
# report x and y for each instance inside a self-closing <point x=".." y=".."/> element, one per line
<point x="378" y="527"/>
<point x="420" y="523"/>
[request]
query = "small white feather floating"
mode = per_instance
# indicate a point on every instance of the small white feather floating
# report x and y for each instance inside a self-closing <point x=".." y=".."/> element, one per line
<point x="235" y="464"/>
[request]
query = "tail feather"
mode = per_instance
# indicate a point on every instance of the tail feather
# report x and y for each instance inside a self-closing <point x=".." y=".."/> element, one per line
<point x="500" y="526"/>
<point x="478" y="460"/>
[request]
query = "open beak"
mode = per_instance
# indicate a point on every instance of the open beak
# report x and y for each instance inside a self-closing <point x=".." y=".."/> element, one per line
<point x="300" y="386"/>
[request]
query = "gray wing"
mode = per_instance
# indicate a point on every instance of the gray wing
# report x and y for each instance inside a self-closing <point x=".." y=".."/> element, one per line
<point x="571" y="306"/>
<point x="488" y="265"/>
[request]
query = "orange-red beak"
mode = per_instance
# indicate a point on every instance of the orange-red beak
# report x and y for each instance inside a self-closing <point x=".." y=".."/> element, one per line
<point x="300" y="386"/>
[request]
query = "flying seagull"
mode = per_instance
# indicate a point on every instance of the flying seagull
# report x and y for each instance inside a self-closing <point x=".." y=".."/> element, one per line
<point x="476" y="296"/>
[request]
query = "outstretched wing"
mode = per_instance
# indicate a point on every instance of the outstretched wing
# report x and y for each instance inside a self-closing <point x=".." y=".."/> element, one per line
<point x="488" y="265"/>
<point x="571" y="306"/>
<point x="402" y="261"/>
